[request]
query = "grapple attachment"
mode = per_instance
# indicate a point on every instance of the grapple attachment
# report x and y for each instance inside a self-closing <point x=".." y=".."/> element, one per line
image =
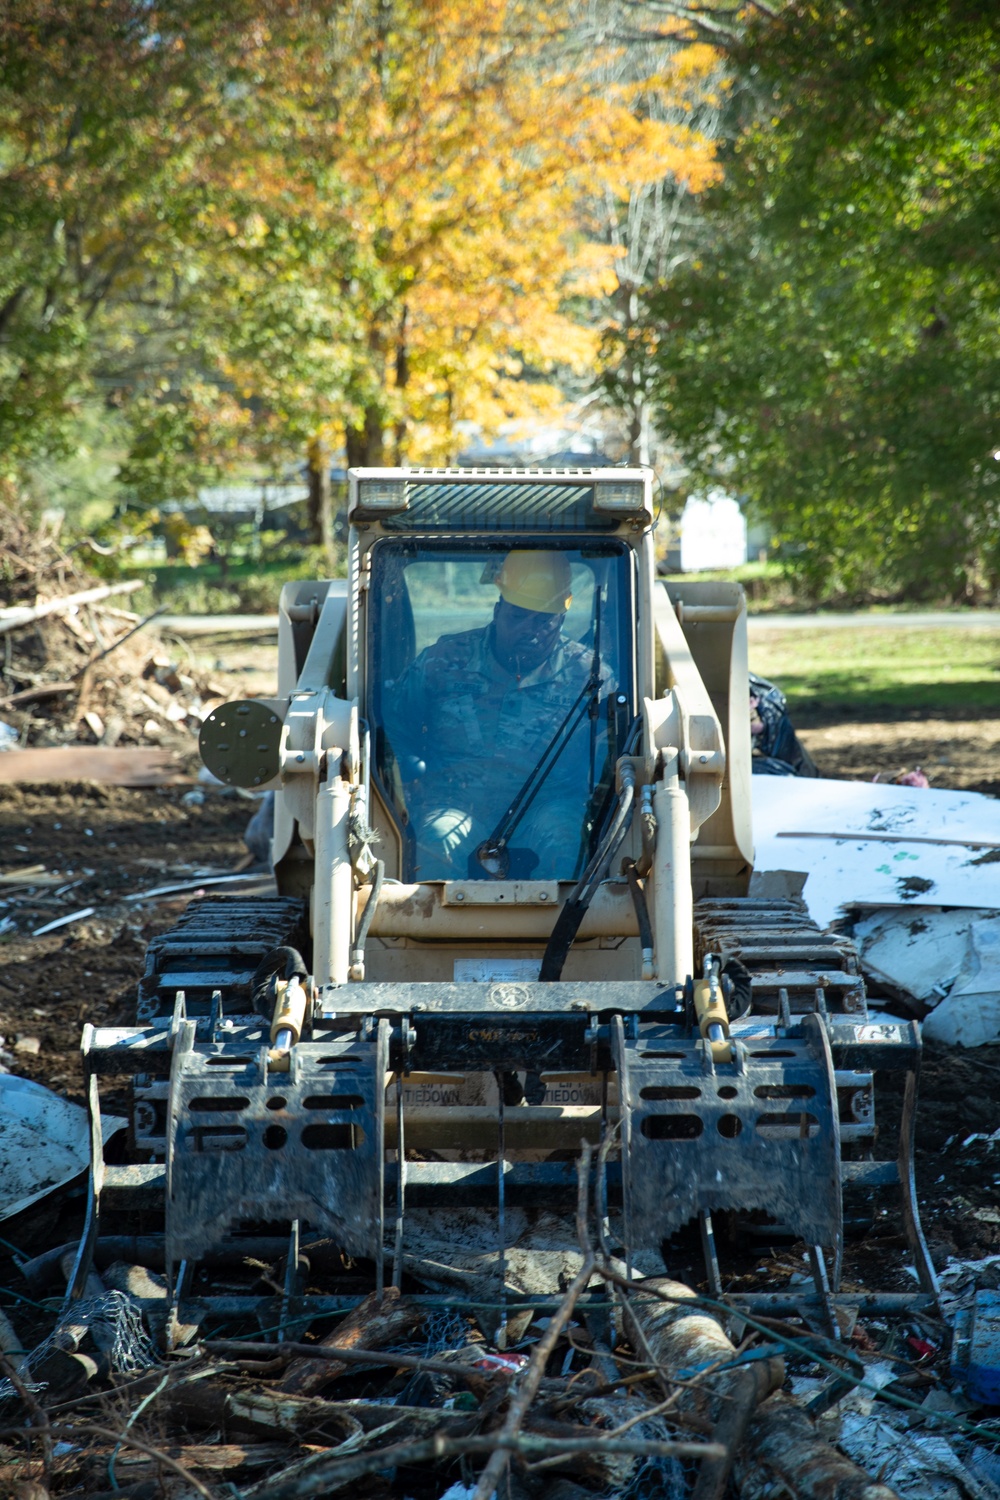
<point x="246" y="1143"/>
<point x="759" y="1133"/>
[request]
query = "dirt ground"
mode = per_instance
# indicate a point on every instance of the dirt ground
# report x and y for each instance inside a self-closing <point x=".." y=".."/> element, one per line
<point x="109" y="842"/>
<point x="961" y="754"/>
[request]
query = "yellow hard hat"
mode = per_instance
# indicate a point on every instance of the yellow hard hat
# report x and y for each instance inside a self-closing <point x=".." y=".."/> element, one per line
<point x="539" y="581"/>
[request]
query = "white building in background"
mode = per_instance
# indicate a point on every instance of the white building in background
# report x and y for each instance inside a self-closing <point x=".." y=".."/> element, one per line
<point x="713" y="533"/>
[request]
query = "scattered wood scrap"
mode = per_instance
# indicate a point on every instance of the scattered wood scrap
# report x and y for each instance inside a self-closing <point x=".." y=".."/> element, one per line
<point x="402" y="1393"/>
<point x="76" y="671"/>
<point x="119" y="766"/>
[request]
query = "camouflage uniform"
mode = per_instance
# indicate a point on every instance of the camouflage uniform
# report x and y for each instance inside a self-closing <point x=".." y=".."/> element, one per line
<point x="479" y="730"/>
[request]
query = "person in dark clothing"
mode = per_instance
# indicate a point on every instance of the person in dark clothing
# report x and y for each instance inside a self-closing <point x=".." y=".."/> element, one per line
<point x="777" y="750"/>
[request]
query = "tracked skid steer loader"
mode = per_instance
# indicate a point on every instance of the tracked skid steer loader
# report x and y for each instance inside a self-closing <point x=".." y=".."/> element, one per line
<point x="512" y="852"/>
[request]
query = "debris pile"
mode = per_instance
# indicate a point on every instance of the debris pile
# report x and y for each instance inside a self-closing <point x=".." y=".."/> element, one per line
<point x="75" y="668"/>
<point x="284" y="1382"/>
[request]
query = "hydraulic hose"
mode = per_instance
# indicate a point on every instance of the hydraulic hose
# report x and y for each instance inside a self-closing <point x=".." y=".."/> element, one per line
<point x="280" y="963"/>
<point x="568" y="921"/>
<point x="642" y="917"/>
<point x="357" y="969"/>
<point x="738" y="990"/>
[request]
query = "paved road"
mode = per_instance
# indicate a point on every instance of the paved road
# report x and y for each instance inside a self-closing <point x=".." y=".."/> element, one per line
<point x="219" y="624"/>
<point x="972" y="619"/>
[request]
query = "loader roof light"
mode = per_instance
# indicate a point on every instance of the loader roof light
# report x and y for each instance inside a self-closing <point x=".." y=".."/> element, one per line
<point x="383" y="497"/>
<point x="625" y="497"/>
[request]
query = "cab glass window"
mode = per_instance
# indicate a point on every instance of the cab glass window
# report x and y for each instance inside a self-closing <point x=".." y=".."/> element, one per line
<point x="500" y="694"/>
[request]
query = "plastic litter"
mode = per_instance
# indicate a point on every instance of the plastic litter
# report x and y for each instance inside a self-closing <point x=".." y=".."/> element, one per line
<point x="975" y="1355"/>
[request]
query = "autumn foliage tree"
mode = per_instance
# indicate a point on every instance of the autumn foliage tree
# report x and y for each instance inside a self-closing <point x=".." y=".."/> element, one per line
<point x="275" y="229"/>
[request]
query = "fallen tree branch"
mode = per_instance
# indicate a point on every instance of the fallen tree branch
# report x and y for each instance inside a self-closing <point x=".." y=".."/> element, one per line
<point x="379" y="1320"/>
<point x="139" y="625"/>
<point x="776" y="1446"/>
<point x="129" y="1440"/>
<point x="11" y="619"/>
<point x="679" y="1334"/>
<point x="489" y="1479"/>
<point x="240" y="1348"/>
<point x="327" y="1473"/>
<point x="36" y="694"/>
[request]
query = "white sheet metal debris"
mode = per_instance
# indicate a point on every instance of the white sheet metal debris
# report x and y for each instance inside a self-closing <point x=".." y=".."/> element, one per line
<point x="970" y="1014"/>
<point x="921" y="1465"/>
<point x="921" y="865"/>
<point x="44" y="1142"/>
<point x="946" y="963"/>
<point x="198" y="883"/>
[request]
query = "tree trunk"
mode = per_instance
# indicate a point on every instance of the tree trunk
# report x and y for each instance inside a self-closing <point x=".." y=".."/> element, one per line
<point x="402" y="380"/>
<point x="365" y="445"/>
<point x="320" y="500"/>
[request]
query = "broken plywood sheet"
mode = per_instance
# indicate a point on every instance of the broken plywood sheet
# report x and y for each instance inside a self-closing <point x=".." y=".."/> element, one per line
<point x="136" y="766"/>
<point x="871" y="845"/>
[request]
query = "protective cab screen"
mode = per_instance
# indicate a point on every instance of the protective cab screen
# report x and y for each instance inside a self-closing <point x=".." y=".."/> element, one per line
<point x="456" y="505"/>
<point x="501" y="694"/>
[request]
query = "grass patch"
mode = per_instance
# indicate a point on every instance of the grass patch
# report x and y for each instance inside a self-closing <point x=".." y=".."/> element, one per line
<point x="243" y="587"/>
<point x="893" y="673"/>
<point x="766" y="584"/>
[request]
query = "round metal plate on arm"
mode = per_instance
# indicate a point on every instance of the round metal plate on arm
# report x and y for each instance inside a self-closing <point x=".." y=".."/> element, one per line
<point x="239" y="743"/>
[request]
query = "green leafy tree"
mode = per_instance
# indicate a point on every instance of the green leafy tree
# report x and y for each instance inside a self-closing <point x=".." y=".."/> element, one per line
<point x="833" y="353"/>
<point x="166" y="220"/>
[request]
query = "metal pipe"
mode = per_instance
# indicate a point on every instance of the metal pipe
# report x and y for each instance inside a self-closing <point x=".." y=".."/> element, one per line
<point x="473" y="1127"/>
<point x="673" y="906"/>
<point x="332" y="895"/>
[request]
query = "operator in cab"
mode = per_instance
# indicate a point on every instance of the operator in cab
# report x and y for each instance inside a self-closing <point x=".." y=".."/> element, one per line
<point x="481" y="713"/>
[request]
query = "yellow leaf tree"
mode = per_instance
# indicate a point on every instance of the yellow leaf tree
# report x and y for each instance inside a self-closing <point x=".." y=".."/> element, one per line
<point x="465" y="136"/>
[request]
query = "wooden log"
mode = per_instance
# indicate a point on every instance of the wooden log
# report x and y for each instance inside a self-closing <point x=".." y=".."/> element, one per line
<point x="376" y="1322"/>
<point x="774" y="1447"/>
<point x="37" y="694"/>
<point x="137" y="766"/>
<point x="677" y="1336"/>
<point x="784" y="1455"/>
<point x="11" y="619"/>
<point x="219" y="1458"/>
<point x="261" y="1411"/>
